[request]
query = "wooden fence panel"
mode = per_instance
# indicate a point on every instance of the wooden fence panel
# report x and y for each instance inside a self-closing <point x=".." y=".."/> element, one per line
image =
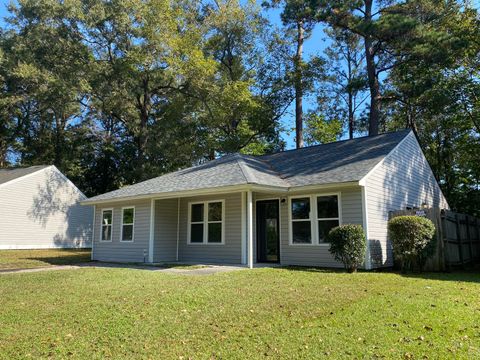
<point x="458" y="238"/>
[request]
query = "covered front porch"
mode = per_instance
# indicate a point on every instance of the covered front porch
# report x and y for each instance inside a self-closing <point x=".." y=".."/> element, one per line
<point x="218" y="228"/>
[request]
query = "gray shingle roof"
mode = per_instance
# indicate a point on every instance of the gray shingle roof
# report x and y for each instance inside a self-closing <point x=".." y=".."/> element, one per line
<point x="10" y="174"/>
<point x="338" y="162"/>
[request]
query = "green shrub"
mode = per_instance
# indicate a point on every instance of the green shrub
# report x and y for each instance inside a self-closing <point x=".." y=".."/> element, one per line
<point x="411" y="238"/>
<point x="348" y="245"/>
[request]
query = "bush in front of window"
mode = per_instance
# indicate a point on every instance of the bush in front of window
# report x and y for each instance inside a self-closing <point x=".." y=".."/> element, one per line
<point x="348" y="245"/>
<point x="412" y="240"/>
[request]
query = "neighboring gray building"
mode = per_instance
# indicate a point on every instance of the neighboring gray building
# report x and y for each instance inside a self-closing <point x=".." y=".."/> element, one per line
<point x="40" y="208"/>
<point x="243" y="209"/>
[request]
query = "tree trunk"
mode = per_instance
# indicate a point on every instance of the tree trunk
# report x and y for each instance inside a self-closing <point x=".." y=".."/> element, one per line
<point x="351" y="112"/>
<point x="3" y="154"/>
<point x="59" y="148"/>
<point x="299" y="86"/>
<point x="373" y="83"/>
<point x="143" y="104"/>
<point x="3" y="147"/>
<point x="351" y="116"/>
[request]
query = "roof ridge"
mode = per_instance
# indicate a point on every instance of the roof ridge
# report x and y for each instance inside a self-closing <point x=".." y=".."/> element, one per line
<point x="270" y="166"/>
<point x="249" y="178"/>
<point x="407" y="131"/>
<point x="10" y="168"/>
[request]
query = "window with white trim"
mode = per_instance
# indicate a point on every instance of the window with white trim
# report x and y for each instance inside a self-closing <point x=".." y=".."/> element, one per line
<point x="312" y="217"/>
<point x="197" y="223"/>
<point x="206" y="220"/>
<point x="128" y="220"/>
<point x="301" y="223"/>
<point x="107" y="219"/>
<point x="327" y="215"/>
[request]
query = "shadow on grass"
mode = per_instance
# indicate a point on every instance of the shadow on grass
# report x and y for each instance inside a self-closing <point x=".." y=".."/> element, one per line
<point x="182" y="266"/>
<point x="143" y="266"/>
<point x="471" y="275"/>
<point x="70" y="257"/>
<point x="322" y="270"/>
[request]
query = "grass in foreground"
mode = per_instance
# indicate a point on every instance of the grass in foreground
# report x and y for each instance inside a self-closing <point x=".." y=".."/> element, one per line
<point x="277" y="313"/>
<point x="28" y="259"/>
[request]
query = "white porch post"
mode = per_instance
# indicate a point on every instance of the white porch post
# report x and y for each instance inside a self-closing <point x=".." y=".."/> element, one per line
<point x="93" y="231"/>
<point x="244" y="228"/>
<point x="178" y="228"/>
<point x="152" y="231"/>
<point x="250" y="228"/>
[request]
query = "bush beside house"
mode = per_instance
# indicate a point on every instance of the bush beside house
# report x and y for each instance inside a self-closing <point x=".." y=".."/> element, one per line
<point x="348" y="245"/>
<point x="412" y="240"/>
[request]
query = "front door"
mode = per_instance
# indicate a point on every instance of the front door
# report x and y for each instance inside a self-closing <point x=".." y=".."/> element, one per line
<point x="268" y="239"/>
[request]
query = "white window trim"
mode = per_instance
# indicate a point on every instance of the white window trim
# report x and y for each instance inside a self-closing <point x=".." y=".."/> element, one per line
<point x="101" y="225"/>
<point x="313" y="217"/>
<point x="133" y="225"/>
<point x="205" y="222"/>
<point x="291" y="220"/>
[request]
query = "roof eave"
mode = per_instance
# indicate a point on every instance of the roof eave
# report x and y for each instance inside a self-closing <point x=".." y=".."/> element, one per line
<point x="325" y="186"/>
<point x="222" y="190"/>
<point x="173" y="194"/>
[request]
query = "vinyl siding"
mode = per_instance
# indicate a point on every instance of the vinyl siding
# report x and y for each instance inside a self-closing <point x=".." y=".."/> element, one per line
<point x="136" y="251"/>
<point x="230" y="252"/>
<point x="314" y="255"/>
<point x="403" y="179"/>
<point x="41" y="210"/>
<point x="165" y="238"/>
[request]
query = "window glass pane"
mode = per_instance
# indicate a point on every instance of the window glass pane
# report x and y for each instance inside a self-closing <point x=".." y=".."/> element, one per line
<point x="106" y="232"/>
<point x="301" y="232"/>
<point x="301" y="208"/>
<point x="196" y="235"/>
<point x="215" y="211"/>
<point x="215" y="233"/>
<point x="107" y="217"/>
<point x="324" y="227"/>
<point x="127" y="233"/>
<point x="197" y="212"/>
<point x="128" y="216"/>
<point x="327" y="206"/>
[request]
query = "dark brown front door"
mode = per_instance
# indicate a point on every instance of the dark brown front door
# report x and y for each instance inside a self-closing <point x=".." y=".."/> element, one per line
<point x="268" y="239"/>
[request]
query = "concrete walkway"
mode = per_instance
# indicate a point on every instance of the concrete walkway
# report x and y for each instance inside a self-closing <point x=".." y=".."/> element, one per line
<point x="195" y="270"/>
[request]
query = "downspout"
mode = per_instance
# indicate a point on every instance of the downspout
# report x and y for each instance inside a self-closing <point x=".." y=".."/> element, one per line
<point x="178" y="226"/>
<point x="93" y="231"/>
<point x="368" y="260"/>
<point x="250" y="229"/>
<point x="152" y="231"/>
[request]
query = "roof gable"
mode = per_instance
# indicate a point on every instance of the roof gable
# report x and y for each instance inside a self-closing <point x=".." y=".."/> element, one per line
<point x="336" y="162"/>
<point x="9" y="174"/>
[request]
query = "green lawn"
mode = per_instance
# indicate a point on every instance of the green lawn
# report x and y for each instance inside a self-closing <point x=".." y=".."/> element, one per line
<point x="279" y="313"/>
<point x="27" y="259"/>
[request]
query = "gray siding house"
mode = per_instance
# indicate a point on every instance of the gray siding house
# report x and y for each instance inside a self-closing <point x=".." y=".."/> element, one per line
<point x="40" y="208"/>
<point x="243" y="209"/>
